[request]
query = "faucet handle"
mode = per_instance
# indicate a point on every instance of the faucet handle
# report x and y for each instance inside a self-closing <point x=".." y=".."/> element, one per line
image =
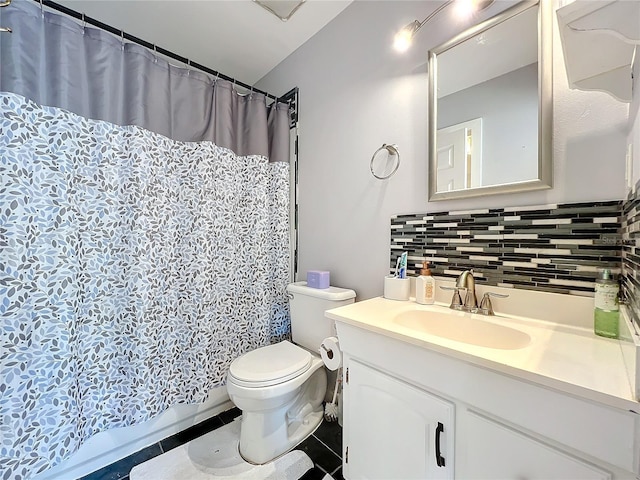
<point x="485" y="305"/>
<point x="456" y="299"/>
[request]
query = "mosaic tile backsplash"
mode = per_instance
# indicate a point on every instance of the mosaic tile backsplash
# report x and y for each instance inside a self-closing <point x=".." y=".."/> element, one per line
<point x="631" y="252"/>
<point x="553" y="248"/>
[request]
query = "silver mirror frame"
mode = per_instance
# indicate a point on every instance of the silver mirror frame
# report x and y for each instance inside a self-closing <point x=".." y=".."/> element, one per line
<point x="545" y="104"/>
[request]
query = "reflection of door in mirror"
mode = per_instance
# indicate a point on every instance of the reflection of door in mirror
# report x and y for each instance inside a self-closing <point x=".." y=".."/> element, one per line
<point x="459" y="156"/>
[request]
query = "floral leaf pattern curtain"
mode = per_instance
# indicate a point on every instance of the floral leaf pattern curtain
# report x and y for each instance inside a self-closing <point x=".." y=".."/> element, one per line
<point x="133" y="269"/>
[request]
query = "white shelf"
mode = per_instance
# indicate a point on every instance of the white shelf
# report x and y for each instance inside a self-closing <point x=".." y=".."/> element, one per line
<point x="599" y="40"/>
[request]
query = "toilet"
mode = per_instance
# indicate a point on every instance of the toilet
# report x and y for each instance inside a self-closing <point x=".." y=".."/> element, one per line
<point x="280" y="387"/>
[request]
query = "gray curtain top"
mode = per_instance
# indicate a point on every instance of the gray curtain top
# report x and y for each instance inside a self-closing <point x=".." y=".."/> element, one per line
<point x="54" y="61"/>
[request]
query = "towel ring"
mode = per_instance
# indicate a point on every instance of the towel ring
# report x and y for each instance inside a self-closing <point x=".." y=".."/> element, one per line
<point x="5" y="3"/>
<point x="392" y="149"/>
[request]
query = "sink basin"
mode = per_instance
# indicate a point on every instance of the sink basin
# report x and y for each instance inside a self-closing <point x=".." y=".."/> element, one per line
<point x="463" y="328"/>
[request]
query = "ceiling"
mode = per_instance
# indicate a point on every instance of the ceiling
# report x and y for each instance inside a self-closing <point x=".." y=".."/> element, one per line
<point x="238" y="38"/>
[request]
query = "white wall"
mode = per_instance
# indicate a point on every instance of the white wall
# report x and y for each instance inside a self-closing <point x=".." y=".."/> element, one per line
<point x="356" y="93"/>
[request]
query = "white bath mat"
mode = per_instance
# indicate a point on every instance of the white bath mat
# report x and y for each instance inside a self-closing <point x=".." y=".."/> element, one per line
<point x="215" y="456"/>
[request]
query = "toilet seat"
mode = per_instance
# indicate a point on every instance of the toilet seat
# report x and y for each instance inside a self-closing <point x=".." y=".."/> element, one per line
<point x="270" y="365"/>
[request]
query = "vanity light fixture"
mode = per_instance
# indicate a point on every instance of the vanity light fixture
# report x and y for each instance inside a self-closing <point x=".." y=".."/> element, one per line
<point x="402" y="40"/>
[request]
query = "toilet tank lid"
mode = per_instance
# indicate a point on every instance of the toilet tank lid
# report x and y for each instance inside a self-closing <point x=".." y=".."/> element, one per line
<point x="334" y="294"/>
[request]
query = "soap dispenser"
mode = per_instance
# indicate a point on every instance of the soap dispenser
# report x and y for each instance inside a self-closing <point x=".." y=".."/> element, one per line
<point x="606" y="315"/>
<point x="425" y="286"/>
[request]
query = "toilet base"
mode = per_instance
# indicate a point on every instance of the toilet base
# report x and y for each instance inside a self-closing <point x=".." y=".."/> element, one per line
<point x="265" y="452"/>
<point x="267" y="434"/>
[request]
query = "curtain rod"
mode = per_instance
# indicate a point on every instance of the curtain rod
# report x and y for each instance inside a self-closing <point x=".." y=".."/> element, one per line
<point x="124" y="35"/>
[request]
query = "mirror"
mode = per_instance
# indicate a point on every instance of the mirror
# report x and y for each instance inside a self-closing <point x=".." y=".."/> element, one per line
<point x="490" y="117"/>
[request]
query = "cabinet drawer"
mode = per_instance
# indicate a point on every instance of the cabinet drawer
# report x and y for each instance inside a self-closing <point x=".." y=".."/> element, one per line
<point x="493" y="450"/>
<point x="579" y="424"/>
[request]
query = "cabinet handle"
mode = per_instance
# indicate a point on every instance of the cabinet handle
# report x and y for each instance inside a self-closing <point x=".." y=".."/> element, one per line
<point x="439" y="457"/>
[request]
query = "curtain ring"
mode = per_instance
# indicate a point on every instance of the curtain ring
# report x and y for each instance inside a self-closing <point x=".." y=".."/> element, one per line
<point x="122" y="39"/>
<point x="84" y="23"/>
<point x="391" y="149"/>
<point x="41" y="9"/>
<point x="155" y="54"/>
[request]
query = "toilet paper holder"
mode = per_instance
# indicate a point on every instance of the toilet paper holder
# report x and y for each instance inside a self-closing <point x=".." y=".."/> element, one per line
<point x="329" y="352"/>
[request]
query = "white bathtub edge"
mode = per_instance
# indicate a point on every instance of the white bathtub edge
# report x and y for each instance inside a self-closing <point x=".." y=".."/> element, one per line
<point x="113" y="445"/>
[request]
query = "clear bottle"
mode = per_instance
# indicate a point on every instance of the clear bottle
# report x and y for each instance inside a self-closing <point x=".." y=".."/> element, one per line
<point x="425" y="286"/>
<point x="606" y="314"/>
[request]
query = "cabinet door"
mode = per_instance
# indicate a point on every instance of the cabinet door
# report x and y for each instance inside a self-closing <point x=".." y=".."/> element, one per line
<point x="490" y="450"/>
<point x="394" y="430"/>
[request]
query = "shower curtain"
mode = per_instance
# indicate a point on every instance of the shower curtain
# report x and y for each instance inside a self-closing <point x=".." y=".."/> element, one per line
<point x="143" y="235"/>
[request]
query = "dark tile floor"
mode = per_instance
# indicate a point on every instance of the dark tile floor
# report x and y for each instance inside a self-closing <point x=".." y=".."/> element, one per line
<point x="324" y="448"/>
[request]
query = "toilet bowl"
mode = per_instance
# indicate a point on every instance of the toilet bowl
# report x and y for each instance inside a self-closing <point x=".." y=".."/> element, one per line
<point x="280" y="407"/>
<point x="280" y="387"/>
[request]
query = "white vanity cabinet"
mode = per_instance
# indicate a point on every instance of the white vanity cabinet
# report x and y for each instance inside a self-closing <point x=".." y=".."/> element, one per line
<point x="395" y="430"/>
<point x="496" y="425"/>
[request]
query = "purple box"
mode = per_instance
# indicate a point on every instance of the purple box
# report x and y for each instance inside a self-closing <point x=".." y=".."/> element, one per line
<point x="317" y="279"/>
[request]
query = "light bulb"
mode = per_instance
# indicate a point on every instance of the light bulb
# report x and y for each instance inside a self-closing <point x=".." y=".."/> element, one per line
<point x="465" y="8"/>
<point x="403" y="39"/>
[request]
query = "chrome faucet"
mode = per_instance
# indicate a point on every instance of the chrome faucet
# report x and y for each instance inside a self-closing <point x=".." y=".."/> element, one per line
<point x="466" y="282"/>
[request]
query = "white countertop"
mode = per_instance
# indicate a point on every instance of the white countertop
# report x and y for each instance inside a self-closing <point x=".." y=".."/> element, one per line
<point x="568" y="358"/>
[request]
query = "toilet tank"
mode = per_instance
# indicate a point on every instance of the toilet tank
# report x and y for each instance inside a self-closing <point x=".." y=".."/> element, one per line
<point x="309" y="326"/>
